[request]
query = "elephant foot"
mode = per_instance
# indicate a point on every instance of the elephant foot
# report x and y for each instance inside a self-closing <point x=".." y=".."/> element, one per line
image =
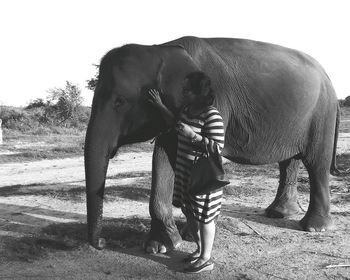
<point x="313" y="222"/>
<point x="161" y="239"/>
<point x="99" y="244"/>
<point x="157" y="247"/>
<point x="279" y="210"/>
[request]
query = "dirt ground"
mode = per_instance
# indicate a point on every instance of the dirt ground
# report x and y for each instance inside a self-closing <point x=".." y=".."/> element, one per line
<point x="43" y="225"/>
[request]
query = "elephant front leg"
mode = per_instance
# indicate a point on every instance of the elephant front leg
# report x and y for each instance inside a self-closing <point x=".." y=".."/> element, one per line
<point x="164" y="234"/>
<point x="286" y="200"/>
<point x="94" y="220"/>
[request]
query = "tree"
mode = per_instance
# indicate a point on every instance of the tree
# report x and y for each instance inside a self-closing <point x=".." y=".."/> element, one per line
<point x="65" y="102"/>
<point x="346" y="102"/>
<point x="91" y="84"/>
<point x="36" y="103"/>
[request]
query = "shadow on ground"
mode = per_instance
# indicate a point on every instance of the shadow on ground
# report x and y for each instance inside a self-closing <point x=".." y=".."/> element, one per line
<point x="28" y="236"/>
<point x="257" y="215"/>
<point x="139" y="189"/>
<point x="30" y="233"/>
<point x="25" y="239"/>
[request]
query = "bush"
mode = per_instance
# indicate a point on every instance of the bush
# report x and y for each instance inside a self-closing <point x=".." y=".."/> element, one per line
<point x="66" y="101"/>
<point x="36" y="103"/>
<point x="14" y="118"/>
<point x="61" y="112"/>
<point x="42" y="120"/>
<point x="91" y="83"/>
<point x="346" y="102"/>
<point x="41" y="130"/>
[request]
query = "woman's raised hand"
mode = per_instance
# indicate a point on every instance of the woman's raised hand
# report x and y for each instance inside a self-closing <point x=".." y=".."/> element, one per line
<point x="154" y="97"/>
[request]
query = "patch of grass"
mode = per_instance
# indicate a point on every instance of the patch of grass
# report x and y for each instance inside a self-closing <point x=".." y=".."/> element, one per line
<point x="60" y="191"/>
<point x="244" y="191"/>
<point x="24" y="147"/>
<point x="137" y="147"/>
<point x="270" y="170"/>
<point x="75" y="195"/>
<point x="30" y="147"/>
<point x="131" y="175"/>
<point x="34" y="155"/>
<point x="136" y="193"/>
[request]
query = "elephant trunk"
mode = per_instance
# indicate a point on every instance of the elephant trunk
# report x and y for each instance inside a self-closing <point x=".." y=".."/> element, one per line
<point x="96" y="155"/>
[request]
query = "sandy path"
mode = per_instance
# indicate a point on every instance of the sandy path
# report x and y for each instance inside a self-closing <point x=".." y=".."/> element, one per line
<point x="72" y="169"/>
<point x="65" y="174"/>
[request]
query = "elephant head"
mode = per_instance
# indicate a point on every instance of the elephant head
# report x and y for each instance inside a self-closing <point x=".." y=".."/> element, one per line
<point x="121" y="114"/>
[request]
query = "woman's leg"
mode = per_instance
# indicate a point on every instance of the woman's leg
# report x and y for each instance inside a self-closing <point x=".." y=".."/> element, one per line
<point x="208" y="208"/>
<point x="203" y="263"/>
<point x="207" y="235"/>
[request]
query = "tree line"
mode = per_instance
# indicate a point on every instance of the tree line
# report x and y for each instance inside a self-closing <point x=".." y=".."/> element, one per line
<point x="61" y="108"/>
<point x="345" y="102"/>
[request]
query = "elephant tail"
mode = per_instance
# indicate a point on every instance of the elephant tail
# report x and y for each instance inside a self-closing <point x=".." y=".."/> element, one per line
<point x="334" y="170"/>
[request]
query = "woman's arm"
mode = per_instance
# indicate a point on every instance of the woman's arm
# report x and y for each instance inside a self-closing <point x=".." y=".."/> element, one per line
<point x="183" y="129"/>
<point x="154" y="98"/>
<point x="213" y="135"/>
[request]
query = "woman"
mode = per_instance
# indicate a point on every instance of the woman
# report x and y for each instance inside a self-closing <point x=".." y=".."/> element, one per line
<point x="200" y="127"/>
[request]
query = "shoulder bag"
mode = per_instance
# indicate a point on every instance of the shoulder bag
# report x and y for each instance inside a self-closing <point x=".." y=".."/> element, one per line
<point x="207" y="174"/>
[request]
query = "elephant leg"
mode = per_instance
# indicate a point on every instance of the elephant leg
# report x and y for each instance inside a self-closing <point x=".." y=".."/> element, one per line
<point x="164" y="233"/>
<point x="94" y="215"/>
<point x="317" y="217"/>
<point x="286" y="200"/>
<point x="317" y="160"/>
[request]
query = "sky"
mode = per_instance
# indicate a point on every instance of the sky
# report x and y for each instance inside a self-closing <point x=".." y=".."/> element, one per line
<point x="45" y="43"/>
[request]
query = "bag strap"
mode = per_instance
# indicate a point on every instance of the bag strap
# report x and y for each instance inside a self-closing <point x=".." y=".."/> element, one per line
<point x="206" y="152"/>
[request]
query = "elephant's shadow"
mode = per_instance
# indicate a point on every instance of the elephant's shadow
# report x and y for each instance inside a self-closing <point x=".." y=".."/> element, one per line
<point x="123" y="235"/>
<point x="257" y="215"/>
<point x="127" y="235"/>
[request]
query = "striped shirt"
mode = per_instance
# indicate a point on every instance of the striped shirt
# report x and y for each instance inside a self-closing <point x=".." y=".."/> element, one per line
<point x="208" y="124"/>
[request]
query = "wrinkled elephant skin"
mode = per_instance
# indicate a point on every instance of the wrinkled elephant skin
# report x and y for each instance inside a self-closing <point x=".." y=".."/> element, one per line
<point x="278" y="105"/>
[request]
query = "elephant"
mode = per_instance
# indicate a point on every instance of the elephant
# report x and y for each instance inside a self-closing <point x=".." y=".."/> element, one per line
<point x="277" y="103"/>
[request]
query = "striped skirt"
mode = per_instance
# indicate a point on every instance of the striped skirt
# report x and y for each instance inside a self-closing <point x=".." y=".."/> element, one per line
<point x="205" y="208"/>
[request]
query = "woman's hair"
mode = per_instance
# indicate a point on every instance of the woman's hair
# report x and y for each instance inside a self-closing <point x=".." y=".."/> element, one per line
<point x="199" y="83"/>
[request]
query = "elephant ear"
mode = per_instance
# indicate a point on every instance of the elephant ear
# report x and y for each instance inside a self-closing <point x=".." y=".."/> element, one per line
<point x="175" y="64"/>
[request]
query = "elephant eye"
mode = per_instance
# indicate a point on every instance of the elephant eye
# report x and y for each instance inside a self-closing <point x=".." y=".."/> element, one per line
<point x="119" y="102"/>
